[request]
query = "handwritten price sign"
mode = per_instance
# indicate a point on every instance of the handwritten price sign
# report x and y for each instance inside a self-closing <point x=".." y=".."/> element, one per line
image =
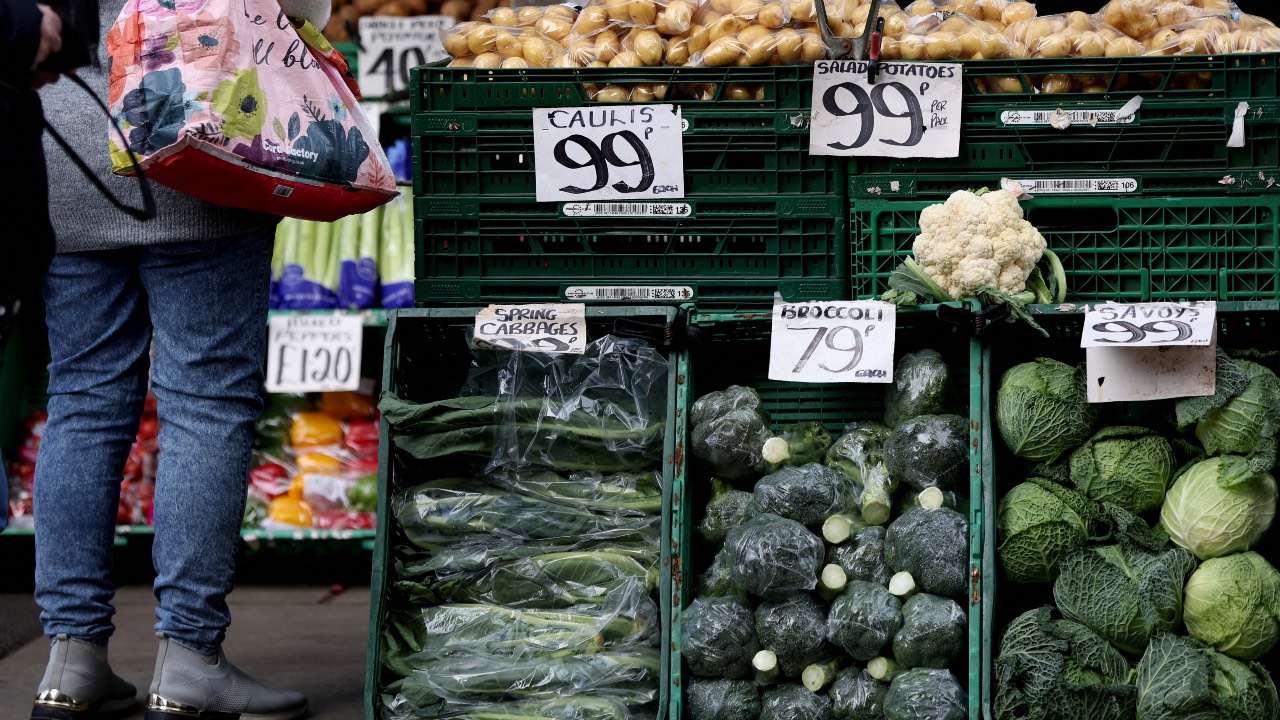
<point x="912" y="110"/>
<point x="547" y="328"/>
<point x="1149" y="325"/>
<point x="842" y="341"/>
<point x="314" y="353"/>
<point x="621" y="153"/>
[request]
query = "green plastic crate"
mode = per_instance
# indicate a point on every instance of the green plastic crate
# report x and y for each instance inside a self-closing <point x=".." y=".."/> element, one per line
<point x="426" y="358"/>
<point x="734" y="350"/>
<point x="1135" y="183"/>
<point x="1130" y="249"/>
<point x="1240" y="325"/>
<point x="725" y="153"/>
<point x="733" y="251"/>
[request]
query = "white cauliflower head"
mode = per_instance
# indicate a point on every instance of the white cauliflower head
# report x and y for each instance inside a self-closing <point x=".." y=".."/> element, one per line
<point x="971" y="241"/>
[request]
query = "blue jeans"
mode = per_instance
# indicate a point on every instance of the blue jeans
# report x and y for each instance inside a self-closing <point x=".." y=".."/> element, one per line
<point x="206" y="303"/>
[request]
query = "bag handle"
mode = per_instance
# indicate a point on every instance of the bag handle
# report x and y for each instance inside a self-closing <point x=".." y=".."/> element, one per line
<point x="148" y="209"/>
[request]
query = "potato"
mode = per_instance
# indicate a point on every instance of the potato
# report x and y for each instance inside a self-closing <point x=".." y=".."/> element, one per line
<point x="993" y="10"/>
<point x="772" y="15"/>
<point x="455" y="43"/>
<point x="536" y="51"/>
<point x="993" y="45"/>
<point x="554" y="27"/>
<point x="705" y="15"/>
<point x="643" y="13"/>
<point x="508" y="44"/>
<point x="1017" y="11"/>
<point x="941" y="46"/>
<point x="642" y="93"/>
<point x="676" y="18"/>
<point x="626" y="58"/>
<point x="1194" y="42"/>
<point x="462" y="62"/>
<point x="1052" y="46"/>
<point x="1054" y="84"/>
<point x="592" y="19"/>
<point x="1079" y="21"/>
<point x="1008" y="85"/>
<point x="678" y="52"/>
<point x="912" y="47"/>
<point x="788" y="46"/>
<point x="698" y="39"/>
<point x="596" y="64"/>
<point x="726" y="26"/>
<point x="753" y="33"/>
<point x="368" y="7"/>
<point x="1094" y="88"/>
<point x="747" y="8"/>
<point x="561" y="11"/>
<point x="607" y="45"/>
<point x="889" y="49"/>
<point x="482" y="39"/>
<point x="618" y="10"/>
<point x="956" y="24"/>
<point x="721" y="52"/>
<point x="563" y="60"/>
<point x="416" y="7"/>
<point x="896" y="24"/>
<point x="759" y="50"/>
<point x="1091" y="44"/>
<point x="738" y="91"/>
<point x="802" y="10"/>
<point x="488" y="60"/>
<point x="649" y="46"/>
<point x="970" y="44"/>
<point x="515" y="62"/>
<point x="349" y="13"/>
<point x="504" y="17"/>
<point x="812" y="49"/>
<point x="613" y="93"/>
<point x="724" y="7"/>
<point x="920" y="8"/>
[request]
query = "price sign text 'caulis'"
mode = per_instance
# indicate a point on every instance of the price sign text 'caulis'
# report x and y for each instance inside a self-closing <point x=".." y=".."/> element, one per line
<point x="545" y="328"/>
<point x="911" y="110"/>
<point x="1149" y="325"/>
<point x="839" y="341"/>
<point x="314" y="353"/>
<point x="603" y="153"/>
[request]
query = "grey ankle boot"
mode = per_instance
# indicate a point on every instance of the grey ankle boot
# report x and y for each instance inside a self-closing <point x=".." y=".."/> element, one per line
<point x="190" y="685"/>
<point x="78" y="684"/>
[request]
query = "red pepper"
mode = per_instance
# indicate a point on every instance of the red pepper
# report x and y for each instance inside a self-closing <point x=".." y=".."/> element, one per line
<point x="269" y="480"/>
<point x="362" y="438"/>
<point x="343" y="520"/>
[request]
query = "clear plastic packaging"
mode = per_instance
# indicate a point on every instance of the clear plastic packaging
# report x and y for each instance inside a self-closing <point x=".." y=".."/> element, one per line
<point x="942" y="36"/>
<point x="773" y="558"/>
<point x="795" y="630"/>
<point x="808" y="494"/>
<point x="934" y="632"/>
<point x="1075" y="34"/>
<point x="794" y="702"/>
<point x="720" y="637"/>
<point x="862" y="557"/>
<point x="998" y="13"/>
<point x="863" y="619"/>
<point x="1215" y="35"/>
<point x="726" y="509"/>
<point x="857" y="696"/>
<point x="929" y="451"/>
<point x="737" y="42"/>
<point x="921" y="383"/>
<point x="932" y="545"/>
<point x="1140" y="18"/>
<point x="591" y="576"/>
<point x="491" y="46"/>
<point x="729" y="428"/>
<point x="722" y="699"/>
<point x="718" y="580"/>
<point x="926" y="694"/>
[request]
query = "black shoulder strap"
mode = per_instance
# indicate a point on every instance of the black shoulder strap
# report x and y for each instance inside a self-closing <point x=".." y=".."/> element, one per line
<point x="148" y="209"/>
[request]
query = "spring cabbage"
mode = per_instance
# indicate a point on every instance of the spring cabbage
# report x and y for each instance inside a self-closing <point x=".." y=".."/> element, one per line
<point x="1128" y="466"/>
<point x="1219" y="506"/>
<point x="1233" y="604"/>
<point x="1037" y="522"/>
<point x="1042" y="410"/>
<point x="1181" y="678"/>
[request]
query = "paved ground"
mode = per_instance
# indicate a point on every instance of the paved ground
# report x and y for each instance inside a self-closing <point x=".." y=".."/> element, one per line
<point x="300" y="637"/>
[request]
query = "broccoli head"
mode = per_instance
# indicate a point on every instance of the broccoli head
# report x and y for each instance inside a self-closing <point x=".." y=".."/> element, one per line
<point x="863" y="619"/>
<point x="773" y="557"/>
<point x="722" y="699"/>
<point x="857" y="696"/>
<point x="920" y="385"/>
<point x="727" y="508"/>
<point x="718" y="580"/>
<point x="795" y="630"/>
<point x="808" y="494"/>
<point x="932" y="545"/>
<point x="729" y="429"/>
<point x="930" y="451"/>
<point x="720" y="637"/>
<point x="934" y="632"/>
<point x="796" y="445"/>
<point x="795" y="702"/>
<point x="862" y="558"/>
<point x="926" y="694"/>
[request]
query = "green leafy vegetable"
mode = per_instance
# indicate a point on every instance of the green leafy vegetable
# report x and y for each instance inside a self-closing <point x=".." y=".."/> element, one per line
<point x="795" y="630"/>
<point x="929" y="451"/>
<point x="934" y="632"/>
<point x="1181" y="678"/>
<point x="932" y="545"/>
<point x="1233" y="604"/>
<point x="796" y="445"/>
<point x="718" y="580"/>
<point x="625" y="493"/>
<point x="1042" y="411"/>
<point x="727" y="508"/>
<point x="729" y="428"/>
<point x="857" y="696"/>
<point x="1241" y="415"/>
<point x="1128" y="466"/>
<point x="862" y="558"/>
<point x="808" y="494"/>
<point x="1219" y="506"/>
<point x="858" y="456"/>
<point x="554" y="580"/>
<point x="1037" y="522"/>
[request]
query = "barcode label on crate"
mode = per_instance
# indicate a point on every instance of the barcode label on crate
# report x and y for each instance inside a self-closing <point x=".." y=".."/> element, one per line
<point x="659" y="293"/>
<point x="1080" y="186"/>
<point x="607" y="209"/>
<point x="1063" y="118"/>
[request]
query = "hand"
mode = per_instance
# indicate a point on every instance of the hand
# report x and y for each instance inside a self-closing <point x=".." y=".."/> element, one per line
<point x="50" y="35"/>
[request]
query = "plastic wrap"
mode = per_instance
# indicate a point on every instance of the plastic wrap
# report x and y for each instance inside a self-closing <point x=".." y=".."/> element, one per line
<point x="590" y="576"/>
<point x="862" y="557"/>
<point x="808" y="494"/>
<point x="1214" y="35"/>
<point x="720" y="638"/>
<point x="722" y="699"/>
<point x="399" y="706"/>
<point x="926" y="694"/>
<point x="863" y="619"/>
<point x="932" y="545"/>
<point x="477" y="552"/>
<point x="718" y="580"/>
<point x="930" y="451"/>
<point x="940" y="36"/>
<point x="1140" y="18"/>
<point x="1074" y="34"/>
<point x="726" y="509"/>
<point x="857" y="696"/>
<point x="921" y="383"/>
<point x="736" y="42"/>
<point x="729" y="429"/>
<point x="794" y="702"/>
<point x="858" y="456"/>
<point x="796" y="445"/>
<point x="934" y="632"/>
<point x="996" y="12"/>
<point x="492" y="46"/>
<point x="624" y="493"/>
<point x="795" y="630"/>
<point x="772" y="557"/>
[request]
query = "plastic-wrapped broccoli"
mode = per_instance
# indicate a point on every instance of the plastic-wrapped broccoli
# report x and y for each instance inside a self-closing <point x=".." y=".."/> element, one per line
<point x="718" y="580"/>
<point x="729" y="430"/>
<point x="921" y="381"/>
<point x="859" y="457"/>
<point x="862" y="558"/>
<point x="857" y="696"/>
<point x="932" y="545"/>
<point x="773" y="557"/>
<point x="796" y="445"/>
<point x="795" y="702"/>
<point x="932" y="498"/>
<point x="863" y="619"/>
<point x="930" y="451"/>
<point x="926" y="694"/>
<point x="720" y="637"/>
<point x="808" y="494"/>
<point x="727" y="507"/>
<point x="722" y="699"/>
<point x="934" y="632"/>
<point x="795" y="630"/>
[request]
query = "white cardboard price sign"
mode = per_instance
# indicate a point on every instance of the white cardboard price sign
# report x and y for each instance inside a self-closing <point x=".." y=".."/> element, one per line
<point x="911" y="110"/>
<point x="546" y="328"/>
<point x="392" y="46"/>
<point x="314" y="353"/>
<point x="838" y="341"/>
<point x="1157" y="324"/>
<point x="608" y="153"/>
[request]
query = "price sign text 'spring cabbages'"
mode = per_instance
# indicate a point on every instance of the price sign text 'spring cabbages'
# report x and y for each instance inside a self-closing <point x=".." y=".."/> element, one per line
<point x="314" y="353"/>
<point x="911" y="110"/>
<point x="1149" y="325"/>
<point x="621" y="153"/>
<point x="548" y="328"/>
<point x="840" y="341"/>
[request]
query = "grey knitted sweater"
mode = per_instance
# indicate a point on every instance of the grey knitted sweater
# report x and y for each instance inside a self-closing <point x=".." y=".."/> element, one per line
<point x="83" y="219"/>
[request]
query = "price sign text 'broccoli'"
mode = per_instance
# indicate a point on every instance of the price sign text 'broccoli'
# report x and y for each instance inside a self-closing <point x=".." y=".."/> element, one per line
<point x="842" y="341"/>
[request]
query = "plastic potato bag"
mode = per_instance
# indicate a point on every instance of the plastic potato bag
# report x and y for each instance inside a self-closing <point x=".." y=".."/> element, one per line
<point x="495" y="46"/>
<point x="1211" y="36"/>
<point x="996" y="12"/>
<point x="1140" y="18"/>
<point x="938" y="36"/>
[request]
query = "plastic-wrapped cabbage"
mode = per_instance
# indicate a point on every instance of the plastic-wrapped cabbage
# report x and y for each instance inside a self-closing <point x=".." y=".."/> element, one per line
<point x="808" y="494"/>
<point x="926" y="694"/>
<point x="796" y="445"/>
<point x="921" y="381"/>
<point x="932" y="545"/>
<point x="1181" y="678"/>
<point x="623" y="493"/>
<point x="554" y="580"/>
<point x="727" y="508"/>
<point x="729" y="431"/>
<point x="718" y="580"/>
<point x="1242" y="414"/>
<point x="1219" y="506"/>
<point x="858" y="456"/>
<point x="1128" y="466"/>
<point x="795" y="702"/>
<point x="930" y="451"/>
<point x="403" y="701"/>
<point x="720" y="637"/>
<point x="1037" y="522"/>
<point x="934" y="632"/>
<point x="1059" y="670"/>
<point x="862" y="558"/>
<point x="795" y="630"/>
<point x="773" y="557"/>
<point x="863" y="619"/>
<point x="722" y="699"/>
<point x="857" y="696"/>
<point x="1042" y="410"/>
<point x="1233" y="604"/>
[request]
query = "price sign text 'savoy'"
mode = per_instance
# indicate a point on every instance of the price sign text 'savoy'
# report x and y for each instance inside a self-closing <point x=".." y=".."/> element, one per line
<point x="608" y="153"/>
<point x="546" y="328"/>
<point x="911" y="110"/>
<point x="839" y="341"/>
<point x="1149" y="325"/>
<point x="314" y="353"/>
<point x="392" y="46"/>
